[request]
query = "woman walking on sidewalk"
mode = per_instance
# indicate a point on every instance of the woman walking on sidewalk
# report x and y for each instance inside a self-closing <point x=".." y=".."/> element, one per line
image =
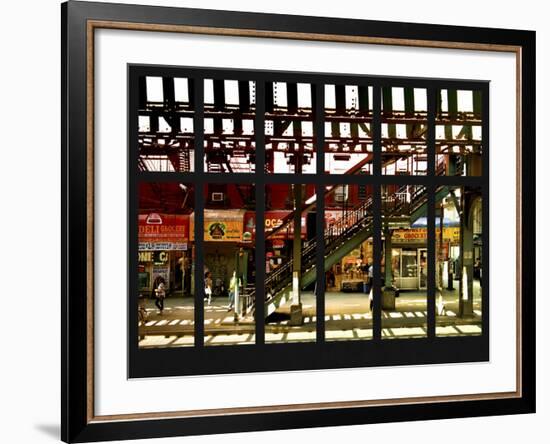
<point x="208" y="287"/>
<point x="232" y="289"/>
<point x="160" y="294"/>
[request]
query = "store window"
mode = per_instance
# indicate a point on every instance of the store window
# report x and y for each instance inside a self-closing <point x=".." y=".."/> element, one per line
<point x="459" y="248"/>
<point x="348" y="218"/>
<point x="229" y="279"/>
<point x="290" y="255"/>
<point x="166" y="252"/>
<point x="404" y="265"/>
<point x="273" y="214"/>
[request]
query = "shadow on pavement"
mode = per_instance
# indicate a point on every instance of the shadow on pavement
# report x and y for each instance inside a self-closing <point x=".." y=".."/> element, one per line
<point x="52" y="430"/>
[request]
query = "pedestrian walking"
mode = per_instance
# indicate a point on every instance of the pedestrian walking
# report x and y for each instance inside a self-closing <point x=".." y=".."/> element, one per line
<point x="160" y="295"/>
<point x="232" y="288"/>
<point x="208" y="287"/>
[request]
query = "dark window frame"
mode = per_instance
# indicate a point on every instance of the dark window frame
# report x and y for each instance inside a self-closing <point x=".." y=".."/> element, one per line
<point x="321" y="354"/>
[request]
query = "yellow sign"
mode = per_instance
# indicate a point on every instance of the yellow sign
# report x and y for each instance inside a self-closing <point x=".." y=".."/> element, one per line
<point x="225" y="230"/>
<point x="419" y="235"/>
<point x="221" y="226"/>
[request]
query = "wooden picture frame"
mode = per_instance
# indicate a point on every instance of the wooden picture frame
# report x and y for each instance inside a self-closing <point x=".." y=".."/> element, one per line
<point x="80" y="423"/>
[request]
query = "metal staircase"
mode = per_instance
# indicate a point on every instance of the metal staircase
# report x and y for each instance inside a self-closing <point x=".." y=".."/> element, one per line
<point x="340" y="238"/>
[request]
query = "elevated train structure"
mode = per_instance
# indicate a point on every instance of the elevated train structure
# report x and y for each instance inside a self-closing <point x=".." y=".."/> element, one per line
<point x="167" y="121"/>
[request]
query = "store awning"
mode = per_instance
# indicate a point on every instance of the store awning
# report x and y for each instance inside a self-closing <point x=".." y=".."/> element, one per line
<point x="447" y="222"/>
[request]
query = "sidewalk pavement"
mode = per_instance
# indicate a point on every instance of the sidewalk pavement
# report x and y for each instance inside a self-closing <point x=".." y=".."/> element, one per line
<point x="343" y="311"/>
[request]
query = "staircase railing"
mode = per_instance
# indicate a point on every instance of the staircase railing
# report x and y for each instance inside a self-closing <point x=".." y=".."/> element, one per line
<point x="352" y="221"/>
<point x="402" y="201"/>
<point x="337" y="233"/>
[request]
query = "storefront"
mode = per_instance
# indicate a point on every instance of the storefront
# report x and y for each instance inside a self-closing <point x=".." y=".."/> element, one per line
<point x="278" y="246"/>
<point x="409" y="268"/>
<point x="164" y="252"/>
<point x="226" y="247"/>
<point x="410" y="255"/>
<point x="350" y="273"/>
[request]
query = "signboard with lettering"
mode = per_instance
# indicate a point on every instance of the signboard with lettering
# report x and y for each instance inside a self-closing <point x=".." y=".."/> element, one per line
<point x="273" y="219"/>
<point x="221" y="225"/>
<point x="162" y="246"/>
<point x="158" y="231"/>
<point x="156" y="257"/>
<point x="419" y="235"/>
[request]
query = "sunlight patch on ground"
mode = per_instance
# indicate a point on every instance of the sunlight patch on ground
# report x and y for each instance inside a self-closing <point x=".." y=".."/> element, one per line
<point x="184" y="340"/>
<point x="225" y="339"/>
<point x="469" y="329"/>
<point x="339" y="334"/>
<point x="274" y="337"/>
<point x="301" y="336"/>
<point x="410" y="332"/>
<point x="155" y="340"/>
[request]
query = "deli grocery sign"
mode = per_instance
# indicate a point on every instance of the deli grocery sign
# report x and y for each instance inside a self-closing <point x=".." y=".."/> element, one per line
<point x="158" y="231"/>
<point x="415" y="235"/>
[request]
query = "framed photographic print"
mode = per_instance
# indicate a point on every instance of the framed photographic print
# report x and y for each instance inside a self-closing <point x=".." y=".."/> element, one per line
<point x="314" y="212"/>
